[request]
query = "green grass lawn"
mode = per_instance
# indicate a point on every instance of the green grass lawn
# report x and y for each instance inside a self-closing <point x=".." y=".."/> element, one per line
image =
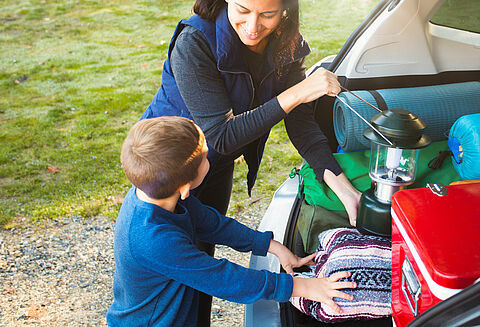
<point x="76" y="75"/>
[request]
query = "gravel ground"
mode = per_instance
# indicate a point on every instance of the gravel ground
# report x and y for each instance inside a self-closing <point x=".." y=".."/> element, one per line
<point x="61" y="274"/>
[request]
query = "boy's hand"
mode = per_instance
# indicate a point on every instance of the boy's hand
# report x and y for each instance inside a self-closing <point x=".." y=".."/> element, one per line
<point x="324" y="289"/>
<point x="288" y="260"/>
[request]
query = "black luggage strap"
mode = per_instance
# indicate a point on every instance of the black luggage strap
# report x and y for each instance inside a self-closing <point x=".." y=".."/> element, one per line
<point x="382" y="105"/>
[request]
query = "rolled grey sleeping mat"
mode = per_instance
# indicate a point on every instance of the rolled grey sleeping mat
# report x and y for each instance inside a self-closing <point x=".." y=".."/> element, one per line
<point x="439" y="106"/>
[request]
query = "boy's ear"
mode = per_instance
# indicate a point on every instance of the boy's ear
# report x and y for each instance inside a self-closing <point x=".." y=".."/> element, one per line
<point x="184" y="191"/>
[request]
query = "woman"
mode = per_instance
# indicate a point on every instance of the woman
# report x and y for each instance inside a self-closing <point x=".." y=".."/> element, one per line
<point x="237" y="68"/>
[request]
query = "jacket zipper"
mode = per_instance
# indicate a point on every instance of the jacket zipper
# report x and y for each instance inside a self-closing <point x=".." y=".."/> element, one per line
<point x="251" y="79"/>
<point x="251" y="82"/>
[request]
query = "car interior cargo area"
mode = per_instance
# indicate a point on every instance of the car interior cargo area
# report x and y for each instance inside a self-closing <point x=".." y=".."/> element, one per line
<point x="317" y="209"/>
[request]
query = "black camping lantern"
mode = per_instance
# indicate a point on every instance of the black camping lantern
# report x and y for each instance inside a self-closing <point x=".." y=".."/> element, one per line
<point x="395" y="140"/>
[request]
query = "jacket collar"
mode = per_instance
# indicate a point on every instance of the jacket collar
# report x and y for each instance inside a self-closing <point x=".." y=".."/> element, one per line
<point x="229" y="48"/>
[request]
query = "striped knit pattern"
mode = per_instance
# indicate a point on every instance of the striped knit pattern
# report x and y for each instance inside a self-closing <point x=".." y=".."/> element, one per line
<point x="368" y="258"/>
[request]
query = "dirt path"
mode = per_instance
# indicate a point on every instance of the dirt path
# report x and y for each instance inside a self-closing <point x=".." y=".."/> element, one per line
<point x="61" y="274"/>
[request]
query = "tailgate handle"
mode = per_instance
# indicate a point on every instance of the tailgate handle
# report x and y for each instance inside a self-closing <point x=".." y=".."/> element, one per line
<point x="411" y="287"/>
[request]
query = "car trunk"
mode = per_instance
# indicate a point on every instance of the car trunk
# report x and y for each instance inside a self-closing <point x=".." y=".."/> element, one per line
<point x="290" y="316"/>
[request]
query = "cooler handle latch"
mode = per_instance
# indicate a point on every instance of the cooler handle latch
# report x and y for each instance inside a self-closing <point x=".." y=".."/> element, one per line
<point x="438" y="189"/>
<point x="411" y="287"/>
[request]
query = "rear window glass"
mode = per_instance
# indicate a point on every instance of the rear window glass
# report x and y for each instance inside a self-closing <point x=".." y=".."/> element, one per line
<point x="459" y="14"/>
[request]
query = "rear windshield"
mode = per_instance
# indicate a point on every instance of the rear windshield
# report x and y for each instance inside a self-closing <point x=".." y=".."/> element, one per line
<point x="459" y="14"/>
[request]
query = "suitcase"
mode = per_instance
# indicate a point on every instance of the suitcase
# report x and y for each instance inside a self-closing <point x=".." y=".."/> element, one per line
<point x="435" y="246"/>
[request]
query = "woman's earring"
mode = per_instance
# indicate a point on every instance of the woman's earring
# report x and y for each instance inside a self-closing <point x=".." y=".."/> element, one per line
<point x="284" y="13"/>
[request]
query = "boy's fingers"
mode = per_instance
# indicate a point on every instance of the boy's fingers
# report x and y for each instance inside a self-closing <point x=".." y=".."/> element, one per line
<point x="288" y="269"/>
<point x="308" y="260"/>
<point x="342" y="295"/>
<point x="339" y="275"/>
<point x="339" y="285"/>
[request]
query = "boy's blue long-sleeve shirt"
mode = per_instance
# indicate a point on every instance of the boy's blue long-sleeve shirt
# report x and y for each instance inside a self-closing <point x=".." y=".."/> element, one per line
<point x="159" y="271"/>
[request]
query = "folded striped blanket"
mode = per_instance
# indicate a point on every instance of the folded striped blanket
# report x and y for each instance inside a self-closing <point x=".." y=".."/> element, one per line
<point x="368" y="258"/>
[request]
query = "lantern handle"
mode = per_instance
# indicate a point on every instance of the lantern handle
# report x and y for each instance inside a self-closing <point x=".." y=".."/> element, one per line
<point x="366" y="122"/>
<point x="371" y="105"/>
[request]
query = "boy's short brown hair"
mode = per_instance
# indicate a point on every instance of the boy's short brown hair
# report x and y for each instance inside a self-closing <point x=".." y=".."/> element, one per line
<point x="161" y="154"/>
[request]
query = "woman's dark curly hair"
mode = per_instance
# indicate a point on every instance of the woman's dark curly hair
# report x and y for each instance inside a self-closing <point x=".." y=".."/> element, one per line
<point x="285" y="36"/>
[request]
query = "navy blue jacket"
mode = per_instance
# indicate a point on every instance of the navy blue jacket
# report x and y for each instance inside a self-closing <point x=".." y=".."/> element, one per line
<point x="226" y="47"/>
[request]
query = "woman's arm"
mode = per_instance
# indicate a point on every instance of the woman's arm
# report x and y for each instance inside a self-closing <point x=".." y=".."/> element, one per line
<point x="203" y="91"/>
<point x="312" y="145"/>
<point x="321" y="82"/>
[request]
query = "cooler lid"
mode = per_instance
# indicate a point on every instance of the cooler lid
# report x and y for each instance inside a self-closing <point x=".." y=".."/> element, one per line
<point x="445" y="230"/>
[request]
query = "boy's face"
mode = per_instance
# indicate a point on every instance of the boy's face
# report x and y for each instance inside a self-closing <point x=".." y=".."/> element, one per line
<point x="204" y="166"/>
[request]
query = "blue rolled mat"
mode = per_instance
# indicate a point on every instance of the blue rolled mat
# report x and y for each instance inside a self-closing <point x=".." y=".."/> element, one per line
<point x="464" y="142"/>
<point x="439" y="106"/>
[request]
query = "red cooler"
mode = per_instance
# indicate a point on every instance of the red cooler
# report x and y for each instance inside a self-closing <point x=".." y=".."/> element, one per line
<point x="435" y="246"/>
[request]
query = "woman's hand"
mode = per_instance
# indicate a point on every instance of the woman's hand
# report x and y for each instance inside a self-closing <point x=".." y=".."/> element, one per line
<point x="318" y="84"/>
<point x="287" y="259"/>
<point x="324" y="289"/>
<point x="346" y="192"/>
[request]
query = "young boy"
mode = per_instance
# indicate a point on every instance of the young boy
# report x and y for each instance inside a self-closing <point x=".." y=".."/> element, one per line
<point x="159" y="271"/>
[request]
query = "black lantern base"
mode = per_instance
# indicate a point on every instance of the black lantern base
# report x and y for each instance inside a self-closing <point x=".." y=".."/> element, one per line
<point x="374" y="217"/>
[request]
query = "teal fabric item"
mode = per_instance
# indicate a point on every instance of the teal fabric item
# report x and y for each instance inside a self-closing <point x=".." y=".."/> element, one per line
<point x="464" y="142"/>
<point x="439" y="106"/>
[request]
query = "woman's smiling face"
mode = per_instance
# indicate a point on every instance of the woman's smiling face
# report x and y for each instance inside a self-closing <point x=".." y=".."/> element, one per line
<point x="254" y="20"/>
